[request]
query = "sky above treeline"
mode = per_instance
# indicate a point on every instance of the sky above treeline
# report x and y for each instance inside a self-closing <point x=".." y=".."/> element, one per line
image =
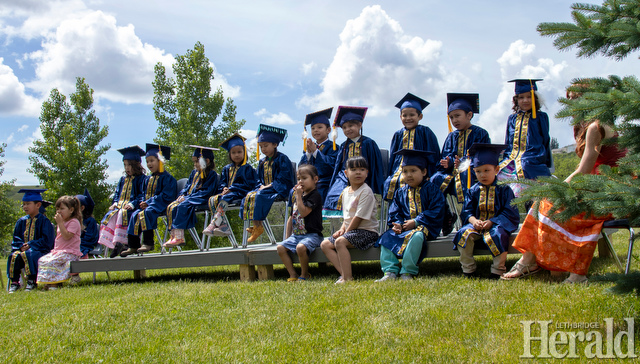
<point x="280" y="60"/>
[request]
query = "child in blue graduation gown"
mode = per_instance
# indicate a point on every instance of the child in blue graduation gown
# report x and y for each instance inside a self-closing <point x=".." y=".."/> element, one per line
<point x="527" y="139"/>
<point x="323" y="152"/>
<point x="487" y="213"/>
<point x="127" y="197"/>
<point x="203" y="183"/>
<point x="275" y="179"/>
<point x="33" y="237"/>
<point x="160" y="189"/>
<point x="237" y="179"/>
<point x="350" y="119"/>
<point x="411" y="136"/>
<point x="415" y="217"/>
<point x="448" y="178"/>
<point x="89" y="236"/>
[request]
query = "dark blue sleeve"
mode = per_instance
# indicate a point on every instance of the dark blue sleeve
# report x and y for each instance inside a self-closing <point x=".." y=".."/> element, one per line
<point x="187" y="186"/>
<point x="168" y="191"/>
<point x="245" y="180"/>
<point x="116" y="194"/>
<point x="283" y="175"/>
<point x="224" y="176"/>
<point x="18" y="235"/>
<point x="324" y="162"/>
<point x="137" y="192"/>
<point x="508" y="137"/>
<point x="210" y="185"/>
<point x="432" y="214"/>
<point x="507" y="215"/>
<point x="449" y="149"/>
<point x="44" y="236"/>
<point x="433" y="147"/>
<point x="371" y="153"/>
<point x="395" y="207"/>
<point x="340" y="159"/>
<point x="470" y="202"/>
<point x="89" y="237"/>
<point x="394" y="160"/>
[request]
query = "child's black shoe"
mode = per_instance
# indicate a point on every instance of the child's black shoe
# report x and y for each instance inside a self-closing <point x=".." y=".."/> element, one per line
<point x="31" y="285"/>
<point x="14" y="287"/>
<point x="116" y="250"/>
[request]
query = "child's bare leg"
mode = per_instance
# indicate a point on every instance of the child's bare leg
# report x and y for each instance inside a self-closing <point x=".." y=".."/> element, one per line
<point x="330" y="251"/>
<point x="304" y="260"/>
<point x="342" y="250"/>
<point x="286" y="260"/>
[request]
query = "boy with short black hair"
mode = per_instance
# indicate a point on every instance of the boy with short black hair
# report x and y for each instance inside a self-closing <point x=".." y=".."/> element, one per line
<point x="323" y="152"/>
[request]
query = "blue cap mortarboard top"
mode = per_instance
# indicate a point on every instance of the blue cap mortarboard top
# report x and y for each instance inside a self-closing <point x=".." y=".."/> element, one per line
<point x="233" y="141"/>
<point x="319" y="117"/>
<point x="204" y="152"/>
<point x="271" y="134"/>
<point x="132" y="153"/>
<point x="411" y="100"/>
<point x="414" y="157"/>
<point x="483" y="153"/>
<point x="86" y="201"/>
<point x="525" y="85"/>
<point x="152" y="150"/>
<point x="465" y="102"/>
<point x="32" y="194"/>
<point x="349" y="113"/>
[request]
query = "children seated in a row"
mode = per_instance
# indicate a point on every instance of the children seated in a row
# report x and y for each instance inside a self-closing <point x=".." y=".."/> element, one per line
<point x="275" y="179"/>
<point x="448" y="177"/>
<point x="304" y="228"/>
<point x="203" y="182"/>
<point x="33" y="237"/>
<point x="488" y="214"/>
<point x="350" y="119"/>
<point x="159" y="190"/>
<point x="415" y="217"/>
<point x="411" y="136"/>
<point x="237" y="179"/>
<point x="127" y="197"/>
<point x="89" y="236"/>
<point x="323" y="152"/>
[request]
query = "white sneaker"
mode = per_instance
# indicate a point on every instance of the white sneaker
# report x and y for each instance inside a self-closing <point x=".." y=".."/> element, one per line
<point x="388" y="276"/>
<point x="406" y="277"/>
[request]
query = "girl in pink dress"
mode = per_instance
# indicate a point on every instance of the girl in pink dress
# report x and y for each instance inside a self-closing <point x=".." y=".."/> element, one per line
<point x="55" y="267"/>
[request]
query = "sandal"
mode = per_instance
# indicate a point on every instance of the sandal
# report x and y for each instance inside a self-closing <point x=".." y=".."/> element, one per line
<point x="290" y="279"/>
<point x="525" y="270"/>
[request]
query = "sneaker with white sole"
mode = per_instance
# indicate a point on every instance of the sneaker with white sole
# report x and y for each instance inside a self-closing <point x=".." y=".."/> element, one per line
<point x="222" y="230"/>
<point x="388" y="276"/>
<point x="406" y="277"/>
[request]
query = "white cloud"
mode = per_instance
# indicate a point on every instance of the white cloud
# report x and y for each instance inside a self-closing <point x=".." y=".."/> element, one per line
<point x="260" y="112"/>
<point x="9" y="139"/>
<point x="113" y="175"/>
<point x="252" y="138"/>
<point x="13" y="97"/>
<point x="23" y="128"/>
<point x="41" y="17"/>
<point x="377" y="63"/>
<point x="220" y="80"/>
<point x="23" y="145"/>
<point x="308" y="67"/>
<point x="274" y="119"/>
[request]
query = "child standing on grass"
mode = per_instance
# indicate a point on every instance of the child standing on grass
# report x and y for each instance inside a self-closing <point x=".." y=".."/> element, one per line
<point x="487" y="213"/>
<point x="89" y="237"/>
<point x="202" y="184"/>
<point x="128" y="194"/>
<point x="350" y="119"/>
<point x="415" y="217"/>
<point x="55" y="267"/>
<point x="237" y="179"/>
<point x="360" y="226"/>
<point x="322" y="153"/>
<point x="305" y="225"/>
<point x="33" y="237"/>
<point x="160" y="189"/>
<point x="275" y="179"/>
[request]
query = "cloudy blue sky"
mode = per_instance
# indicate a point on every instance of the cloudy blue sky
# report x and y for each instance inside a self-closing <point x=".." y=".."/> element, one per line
<point x="280" y="60"/>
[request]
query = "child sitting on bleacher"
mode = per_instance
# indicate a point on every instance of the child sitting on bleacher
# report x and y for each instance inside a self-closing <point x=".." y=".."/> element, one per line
<point x="275" y="179"/>
<point x="160" y="189"/>
<point x="305" y="225"/>
<point x="89" y="236"/>
<point x="360" y="227"/>
<point x="488" y="213"/>
<point x="237" y="179"/>
<point x="203" y="182"/>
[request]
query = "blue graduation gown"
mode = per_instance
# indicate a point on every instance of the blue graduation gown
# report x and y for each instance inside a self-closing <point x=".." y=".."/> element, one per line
<point x="458" y="144"/>
<point x="276" y="171"/>
<point x="489" y="203"/>
<point x="129" y="190"/>
<point x="38" y="232"/>
<point x="425" y="205"/>
<point x="420" y="138"/>
<point x="159" y="191"/>
<point x="197" y="192"/>
<point x="90" y="234"/>
<point x="325" y="162"/>
<point x="239" y="180"/>
<point x="365" y="147"/>
<point x="527" y="141"/>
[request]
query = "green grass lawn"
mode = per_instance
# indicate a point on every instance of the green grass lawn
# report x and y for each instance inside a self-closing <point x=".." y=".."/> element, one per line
<point x="208" y="315"/>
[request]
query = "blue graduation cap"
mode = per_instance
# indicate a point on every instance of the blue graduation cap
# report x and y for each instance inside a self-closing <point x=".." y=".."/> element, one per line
<point x="32" y="194"/>
<point x="349" y="113"/>
<point x="204" y="152"/>
<point x="319" y="117"/>
<point x="233" y="141"/>
<point x="525" y="85"/>
<point x="464" y="102"/>
<point x="154" y="149"/>
<point x="411" y="100"/>
<point x="271" y="134"/>
<point x="484" y="153"/>
<point x="132" y="153"/>
<point x="414" y="157"/>
<point x="86" y="201"/>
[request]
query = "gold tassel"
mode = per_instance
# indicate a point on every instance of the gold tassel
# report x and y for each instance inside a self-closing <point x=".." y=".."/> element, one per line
<point x="468" y="173"/>
<point x="161" y="165"/>
<point x="533" y="101"/>
<point x="334" y="140"/>
<point x="258" y="152"/>
<point x="244" y="160"/>
<point x="449" y="124"/>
